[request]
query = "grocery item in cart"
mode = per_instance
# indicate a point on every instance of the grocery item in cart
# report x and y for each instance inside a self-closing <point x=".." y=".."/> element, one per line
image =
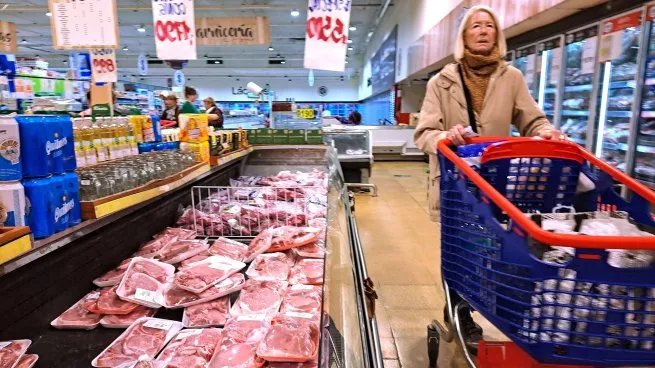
<point x="202" y="275"/>
<point x="114" y="276"/>
<point x="175" y="297"/>
<point x="229" y="248"/>
<point x="208" y="314"/>
<point x="27" y="361"/>
<point x="144" y="282"/>
<point x="78" y="316"/>
<point x="108" y="302"/>
<point x="269" y="267"/>
<point x="288" y="237"/>
<point x="182" y="234"/>
<point x="307" y="272"/>
<point x="197" y="258"/>
<point x="303" y="299"/>
<point x="152" y="248"/>
<point x="292" y="337"/>
<point x="192" y="348"/>
<point x="12" y="351"/>
<point x="124" y="321"/>
<point x="143" y="339"/>
<point x="238" y="347"/>
<point x="259" y="297"/>
<point x="180" y="250"/>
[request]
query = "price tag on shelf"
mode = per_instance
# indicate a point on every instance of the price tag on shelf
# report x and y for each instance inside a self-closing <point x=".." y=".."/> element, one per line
<point x="145" y="295"/>
<point x="306" y="113"/>
<point x="103" y="66"/>
<point x="589" y="49"/>
<point x="175" y="26"/>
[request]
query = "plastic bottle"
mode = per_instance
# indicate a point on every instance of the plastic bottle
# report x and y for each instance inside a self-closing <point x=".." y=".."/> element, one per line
<point x="80" y="155"/>
<point x="101" y="151"/>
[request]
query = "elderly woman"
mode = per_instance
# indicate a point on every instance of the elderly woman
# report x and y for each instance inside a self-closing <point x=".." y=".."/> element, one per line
<point x="481" y="91"/>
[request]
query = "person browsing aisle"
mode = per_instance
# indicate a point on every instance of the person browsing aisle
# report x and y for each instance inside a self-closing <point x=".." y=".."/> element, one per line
<point x="214" y="114"/>
<point x="191" y="95"/>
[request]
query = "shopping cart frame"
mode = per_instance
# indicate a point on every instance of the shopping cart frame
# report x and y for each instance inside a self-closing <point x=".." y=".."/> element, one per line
<point x="438" y="332"/>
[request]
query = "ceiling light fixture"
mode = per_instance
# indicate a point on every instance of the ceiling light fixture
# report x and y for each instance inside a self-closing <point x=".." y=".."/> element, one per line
<point x="295" y="13"/>
<point x="349" y="41"/>
<point x="125" y="48"/>
<point x="48" y="14"/>
<point x="23" y="41"/>
<point x="65" y="61"/>
<point x="283" y="62"/>
<point x="350" y="48"/>
<point x="352" y="28"/>
<point x="141" y="28"/>
<point x="346" y="61"/>
<point x="270" y="48"/>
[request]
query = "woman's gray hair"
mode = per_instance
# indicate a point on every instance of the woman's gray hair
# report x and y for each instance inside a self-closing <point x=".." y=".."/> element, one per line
<point x="500" y="35"/>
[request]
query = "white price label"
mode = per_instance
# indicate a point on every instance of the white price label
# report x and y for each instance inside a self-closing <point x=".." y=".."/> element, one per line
<point x="611" y="46"/>
<point x="299" y="315"/>
<point x="530" y="69"/>
<point x="85" y="182"/>
<point x="160" y="324"/>
<point x="252" y="317"/>
<point x="186" y="333"/>
<point x="217" y="265"/>
<point x="145" y="295"/>
<point x="224" y="284"/>
<point x="4" y="344"/>
<point x="589" y="49"/>
<point x="233" y="210"/>
<point x="299" y="287"/>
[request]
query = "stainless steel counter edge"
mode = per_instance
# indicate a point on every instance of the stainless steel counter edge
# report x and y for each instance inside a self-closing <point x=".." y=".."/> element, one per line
<point x="48" y="245"/>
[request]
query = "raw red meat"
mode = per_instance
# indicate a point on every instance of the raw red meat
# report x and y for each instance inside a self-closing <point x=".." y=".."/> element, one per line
<point x="27" y="361"/>
<point x="290" y="339"/>
<point x="77" y="316"/>
<point x="287" y="237"/>
<point x="182" y="234"/>
<point x="303" y="299"/>
<point x="175" y="297"/>
<point x="108" y="302"/>
<point x="308" y="272"/>
<point x="259" y="297"/>
<point x="180" y="250"/>
<point x="190" y="349"/>
<point x="212" y="313"/>
<point x="124" y="321"/>
<point x="310" y="364"/>
<point x="200" y="257"/>
<point x="200" y="276"/>
<point x="269" y="267"/>
<point x="114" y="276"/>
<point x="143" y="339"/>
<point x="144" y="282"/>
<point x="313" y="250"/>
<point x="259" y="245"/>
<point x="229" y="248"/>
<point x="237" y="348"/>
<point x="156" y="270"/>
<point x="136" y="281"/>
<point x="152" y="248"/>
<point x="11" y="352"/>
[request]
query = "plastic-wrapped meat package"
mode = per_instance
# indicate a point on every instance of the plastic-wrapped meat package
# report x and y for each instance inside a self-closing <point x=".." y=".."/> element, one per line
<point x="190" y="349"/>
<point x="313" y="250"/>
<point x="153" y="247"/>
<point x="182" y="234"/>
<point x="197" y="258"/>
<point x="208" y="314"/>
<point x="291" y="338"/>
<point x="77" y="316"/>
<point x="175" y="297"/>
<point x="229" y="248"/>
<point x="269" y="267"/>
<point x="12" y="351"/>
<point x="307" y="272"/>
<point x="290" y="214"/>
<point x="114" y="276"/>
<point x="144" y="282"/>
<point x="310" y="364"/>
<point x="259" y="245"/>
<point x="124" y="321"/>
<point x="202" y="275"/>
<point x="27" y="361"/>
<point x="259" y="297"/>
<point x="288" y="237"/>
<point x="143" y="339"/>
<point x="108" y="302"/>
<point x="180" y="250"/>
<point x="303" y="299"/>
<point x="241" y="336"/>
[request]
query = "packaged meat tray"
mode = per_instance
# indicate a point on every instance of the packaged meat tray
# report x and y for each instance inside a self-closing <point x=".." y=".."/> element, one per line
<point x="291" y="338"/>
<point x="303" y="299"/>
<point x="259" y="245"/>
<point x="313" y="250"/>
<point x="114" y="276"/>
<point x="190" y="349"/>
<point x="144" y="282"/>
<point x="182" y="234"/>
<point x="288" y="237"/>
<point x="108" y="302"/>
<point x="209" y="314"/>
<point x="77" y="316"/>
<point x="27" y="361"/>
<point x="202" y="275"/>
<point x="124" y="321"/>
<point x="197" y="258"/>
<point x="259" y="297"/>
<point x="238" y="347"/>
<point x="229" y="248"/>
<point x="307" y="272"/>
<point x="269" y="267"/>
<point x="180" y="250"/>
<point x="12" y="351"/>
<point x="175" y="297"/>
<point x="152" y="248"/>
<point x="143" y="339"/>
<point x="310" y="364"/>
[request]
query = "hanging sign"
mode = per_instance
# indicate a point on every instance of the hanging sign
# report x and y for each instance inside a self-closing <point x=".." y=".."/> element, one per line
<point x="103" y="66"/>
<point x="326" y="35"/>
<point x="226" y="31"/>
<point x="84" y="24"/>
<point x="178" y="78"/>
<point x="8" y="43"/>
<point x="175" y="26"/>
<point x="613" y="32"/>
<point x="143" y="65"/>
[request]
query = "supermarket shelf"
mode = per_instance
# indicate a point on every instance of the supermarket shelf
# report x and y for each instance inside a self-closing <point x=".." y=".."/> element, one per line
<point x="645" y="149"/>
<point x="549" y="112"/>
<point x="623" y="84"/>
<point x="574" y="113"/>
<point x="579" y="141"/>
<point x="615" y="146"/>
<point x="580" y="88"/>
<point x="619" y="114"/>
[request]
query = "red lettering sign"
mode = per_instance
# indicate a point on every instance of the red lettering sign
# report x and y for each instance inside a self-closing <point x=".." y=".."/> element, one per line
<point x="322" y="28"/>
<point x="172" y="31"/>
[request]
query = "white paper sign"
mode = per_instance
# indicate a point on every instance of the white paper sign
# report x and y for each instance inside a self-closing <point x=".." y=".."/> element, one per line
<point x="555" y="65"/>
<point x="589" y="55"/>
<point x="174" y="26"/>
<point x="103" y="66"/>
<point x="326" y="34"/>
<point x="145" y="295"/>
<point x="611" y="46"/>
<point x="529" y="70"/>
<point x="160" y="324"/>
<point x="143" y="65"/>
<point x="84" y="24"/>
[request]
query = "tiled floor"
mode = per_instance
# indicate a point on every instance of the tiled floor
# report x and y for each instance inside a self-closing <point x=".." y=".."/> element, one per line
<point x="401" y="247"/>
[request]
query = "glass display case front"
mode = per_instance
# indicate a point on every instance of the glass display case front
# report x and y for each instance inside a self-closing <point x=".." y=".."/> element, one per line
<point x="349" y="142"/>
<point x="550" y="59"/>
<point x="644" y="161"/>
<point x="526" y="60"/>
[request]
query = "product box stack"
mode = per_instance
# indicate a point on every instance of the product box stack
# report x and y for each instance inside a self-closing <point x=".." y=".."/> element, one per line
<point x="194" y="135"/>
<point x="149" y="135"/>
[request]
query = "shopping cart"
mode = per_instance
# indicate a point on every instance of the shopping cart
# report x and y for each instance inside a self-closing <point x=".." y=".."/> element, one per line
<point x="580" y="313"/>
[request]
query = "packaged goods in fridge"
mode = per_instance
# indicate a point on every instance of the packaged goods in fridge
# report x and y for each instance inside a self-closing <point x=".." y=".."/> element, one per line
<point x="78" y="316"/>
<point x="208" y="314"/>
<point x="109" y="303"/>
<point x="144" y="281"/>
<point x="175" y="297"/>
<point x="114" y="276"/>
<point x="180" y="250"/>
<point x="152" y="248"/>
<point x="259" y="297"/>
<point x="303" y="299"/>
<point x="269" y="267"/>
<point x="194" y="128"/>
<point x="229" y="248"/>
<point x="143" y="339"/>
<point x="182" y="234"/>
<point x="124" y="321"/>
<point x="27" y="361"/>
<point x="238" y="347"/>
<point x="197" y="258"/>
<point x="288" y="237"/>
<point x="291" y="338"/>
<point x="202" y="275"/>
<point x="192" y="348"/>
<point x="307" y="272"/>
<point x="11" y="352"/>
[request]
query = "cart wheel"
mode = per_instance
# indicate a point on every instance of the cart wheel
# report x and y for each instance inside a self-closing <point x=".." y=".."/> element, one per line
<point x="433" y="343"/>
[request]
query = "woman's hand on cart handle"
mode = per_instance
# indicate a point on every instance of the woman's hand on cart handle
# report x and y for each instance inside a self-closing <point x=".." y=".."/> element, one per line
<point x="456" y="135"/>
<point x="552" y="134"/>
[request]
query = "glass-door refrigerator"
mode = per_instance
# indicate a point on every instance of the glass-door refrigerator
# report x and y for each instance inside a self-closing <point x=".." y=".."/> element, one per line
<point x="549" y="60"/>
<point x="509" y="57"/>
<point x="526" y="61"/>
<point x="618" y="108"/>
<point x="577" y="105"/>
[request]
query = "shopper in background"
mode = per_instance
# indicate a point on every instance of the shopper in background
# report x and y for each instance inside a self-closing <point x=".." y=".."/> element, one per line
<point x="171" y="109"/>
<point x="481" y="91"/>
<point x="191" y="95"/>
<point x="355" y="118"/>
<point x="214" y="114"/>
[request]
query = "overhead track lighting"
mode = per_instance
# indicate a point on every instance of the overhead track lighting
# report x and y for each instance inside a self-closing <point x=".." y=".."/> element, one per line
<point x="141" y="28"/>
<point x="270" y="48"/>
<point x="295" y="13"/>
<point x="125" y="48"/>
<point x="352" y="28"/>
<point x="48" y="14"/>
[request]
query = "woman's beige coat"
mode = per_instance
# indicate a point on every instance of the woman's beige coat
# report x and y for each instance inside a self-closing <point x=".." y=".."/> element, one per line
<point x="507" y="101"/>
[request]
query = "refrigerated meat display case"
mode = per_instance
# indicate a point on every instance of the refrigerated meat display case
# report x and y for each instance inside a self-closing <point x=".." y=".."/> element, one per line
<point x="549" y="62"/>
<point x="354" y="148"/>
<point x="577" y="105"/>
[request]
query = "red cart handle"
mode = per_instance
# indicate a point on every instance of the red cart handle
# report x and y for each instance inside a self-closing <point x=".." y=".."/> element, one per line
<point x="536" y="232"/>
